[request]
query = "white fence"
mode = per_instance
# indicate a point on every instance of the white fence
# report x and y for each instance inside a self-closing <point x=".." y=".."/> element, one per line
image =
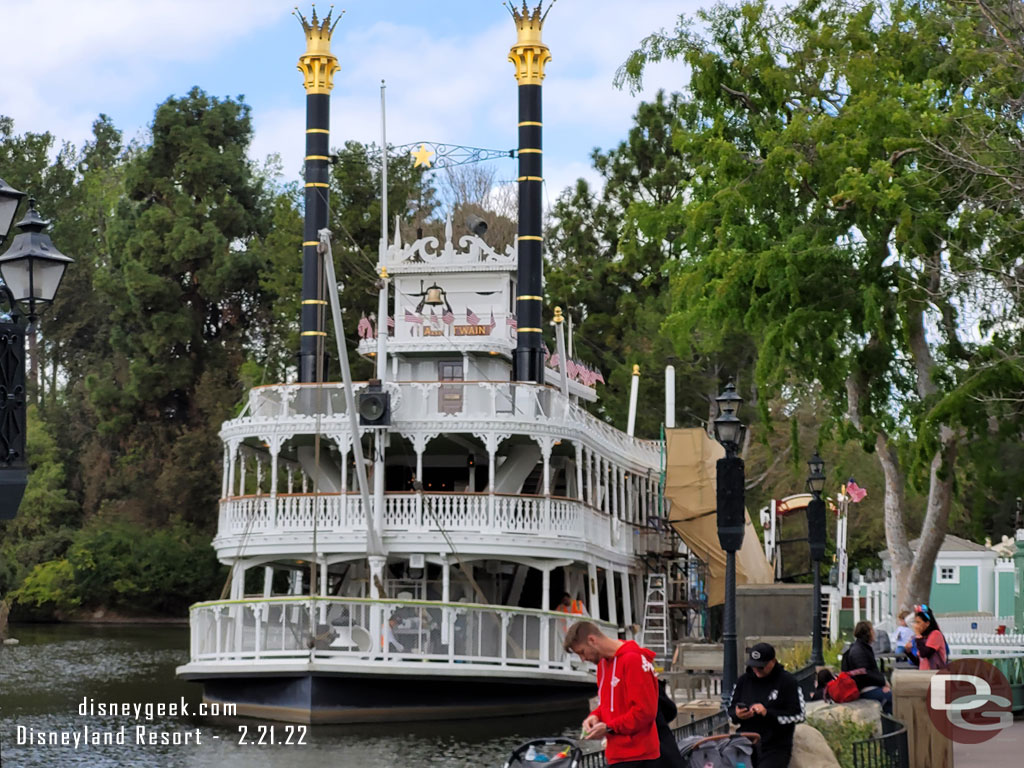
<point x="556" y="518"/>
<point x="952" y="624"/>
<point x="983" y="645"/>
<point x="876" y="605"/>
<point x="379" y="631"/>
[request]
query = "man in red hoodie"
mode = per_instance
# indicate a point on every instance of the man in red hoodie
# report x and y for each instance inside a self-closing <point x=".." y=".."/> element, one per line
<point x="627" y="690"/>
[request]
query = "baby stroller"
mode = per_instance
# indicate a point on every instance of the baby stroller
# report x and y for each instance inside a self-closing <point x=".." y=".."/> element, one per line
<point x="730" y="750"/>
<point x="546" y="753"/>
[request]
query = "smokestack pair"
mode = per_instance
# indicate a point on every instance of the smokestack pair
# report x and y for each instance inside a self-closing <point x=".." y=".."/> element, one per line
<point x="529" y="55"/>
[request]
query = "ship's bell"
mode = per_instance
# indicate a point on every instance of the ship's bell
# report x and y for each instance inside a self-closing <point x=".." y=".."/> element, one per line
<point x="434" y="297"/>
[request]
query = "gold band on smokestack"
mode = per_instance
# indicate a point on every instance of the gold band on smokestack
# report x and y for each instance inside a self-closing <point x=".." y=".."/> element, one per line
<point x="529" y="55"/>
<point x="317" y="66"/>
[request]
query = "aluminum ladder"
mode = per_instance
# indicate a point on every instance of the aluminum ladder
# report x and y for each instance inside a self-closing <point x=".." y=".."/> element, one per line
<point x="655" y="631"/>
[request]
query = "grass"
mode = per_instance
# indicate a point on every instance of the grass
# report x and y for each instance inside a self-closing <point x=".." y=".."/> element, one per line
<point x="841" y="736"/>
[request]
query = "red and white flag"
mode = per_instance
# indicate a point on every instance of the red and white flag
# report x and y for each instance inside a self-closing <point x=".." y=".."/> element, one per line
<point x="572" y="369"/>
<point x="391" y="322"/>
<point x="471" y="317"/>
<point x="553" y="362"/>
<point x="855" y="492"/>
<point x="364" y="329"/>
<point x="434" y="321"/>
<point x="412" y="318"/>
<point x="511" y="322"/>
<point x="598" y="376"/>
<point x="448" y="317"/>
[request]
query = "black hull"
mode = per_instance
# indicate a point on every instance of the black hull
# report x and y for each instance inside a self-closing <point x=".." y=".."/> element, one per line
<point x="347" y="698"/>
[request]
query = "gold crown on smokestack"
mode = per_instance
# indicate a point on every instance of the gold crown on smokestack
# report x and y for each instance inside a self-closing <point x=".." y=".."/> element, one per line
<point x="318" y="64"/>
<point x="529" y="54"/>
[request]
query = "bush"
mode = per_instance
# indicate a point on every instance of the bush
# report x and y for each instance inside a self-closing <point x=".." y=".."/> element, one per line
<point x="50" y="584"/>
<point x="841" y="735"/>
<point x="126" y="566"/>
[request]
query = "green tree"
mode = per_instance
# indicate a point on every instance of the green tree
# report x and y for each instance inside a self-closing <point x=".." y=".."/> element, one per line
<point x="47" y="518"/>
<point x="182" y="285"/>
<point x="809" y="222"/>
<point x="610" y="254"/>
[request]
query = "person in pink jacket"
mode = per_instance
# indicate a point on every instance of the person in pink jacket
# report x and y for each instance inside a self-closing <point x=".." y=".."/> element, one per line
<point x="627" y="689"/>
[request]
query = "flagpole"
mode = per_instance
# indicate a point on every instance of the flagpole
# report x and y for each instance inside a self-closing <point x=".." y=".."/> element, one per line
<point x="381" y="435"/>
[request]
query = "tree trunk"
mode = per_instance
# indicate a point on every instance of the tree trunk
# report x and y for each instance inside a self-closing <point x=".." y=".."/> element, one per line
<point x="895" y="505"/>
<point x="936" y="521"/>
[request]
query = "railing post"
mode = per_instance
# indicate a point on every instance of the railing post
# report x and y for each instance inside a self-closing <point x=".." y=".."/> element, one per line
<point x="504" y="638"/>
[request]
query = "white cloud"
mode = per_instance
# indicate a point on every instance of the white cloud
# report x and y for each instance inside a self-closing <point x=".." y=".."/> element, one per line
<point x="83" y="58"/>
<point x="447" y="73"/>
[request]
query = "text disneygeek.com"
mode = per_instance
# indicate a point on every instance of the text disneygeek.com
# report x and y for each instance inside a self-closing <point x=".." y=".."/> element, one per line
<point x="151" y="734"/>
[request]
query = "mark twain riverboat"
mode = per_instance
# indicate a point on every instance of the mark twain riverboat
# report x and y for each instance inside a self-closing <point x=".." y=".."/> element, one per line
<point x="494" y="491"/>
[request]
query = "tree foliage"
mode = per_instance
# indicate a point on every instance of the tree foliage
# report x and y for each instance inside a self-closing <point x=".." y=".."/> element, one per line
<point x="811" y="222"/>
<point x="184" y="293"/>
<point x="611" y="254"/>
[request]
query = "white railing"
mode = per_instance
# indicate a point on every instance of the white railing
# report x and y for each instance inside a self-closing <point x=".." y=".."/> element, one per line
<point x="513" y="405"/>
<point x="875" y="605"/>
<point x="554" y="517"/>
<point x="371" y="631"/>
<point x="983" y="645"/>
<point x="974" y="624"/>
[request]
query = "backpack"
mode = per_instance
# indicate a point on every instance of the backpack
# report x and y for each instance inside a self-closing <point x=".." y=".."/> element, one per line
<point x="842" y="689"/>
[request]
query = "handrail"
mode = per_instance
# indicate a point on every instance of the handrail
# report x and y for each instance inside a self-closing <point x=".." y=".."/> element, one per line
<point x="475" y="494"/>
<point x="717" y="723"/>
<point x="572" y="410"/>
<point x="890" y="750"/>
<point x="395" y="601"/>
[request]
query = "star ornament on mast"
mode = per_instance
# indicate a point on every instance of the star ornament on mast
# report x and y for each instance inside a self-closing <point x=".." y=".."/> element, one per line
<point x="318" y="64"/>
<point x="422" y="156"/>
<point x="529" y="54"/>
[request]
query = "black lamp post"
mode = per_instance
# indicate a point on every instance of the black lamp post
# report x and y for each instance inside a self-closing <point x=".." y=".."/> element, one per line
<point x="729" y="498"/>
<point x="31" y="270"/>
<point x="816" y="539"/>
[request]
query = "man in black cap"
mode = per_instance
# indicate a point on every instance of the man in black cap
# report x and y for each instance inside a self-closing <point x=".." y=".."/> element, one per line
<point x="768" y="701"/>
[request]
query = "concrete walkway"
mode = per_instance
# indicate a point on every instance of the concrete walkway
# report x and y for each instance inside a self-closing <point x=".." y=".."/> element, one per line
<point x="1005" y="749"/>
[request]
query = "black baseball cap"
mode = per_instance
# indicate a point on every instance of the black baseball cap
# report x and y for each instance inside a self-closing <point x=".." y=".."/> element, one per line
<point x="760" y="655"/>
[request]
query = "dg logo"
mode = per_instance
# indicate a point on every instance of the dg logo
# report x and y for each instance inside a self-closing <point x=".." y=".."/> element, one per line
<point x="970" y="701"/>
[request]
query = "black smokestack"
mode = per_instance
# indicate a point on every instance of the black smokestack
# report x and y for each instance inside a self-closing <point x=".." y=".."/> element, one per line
<point x="530" y="55"/>
<point x="318" y="66"/>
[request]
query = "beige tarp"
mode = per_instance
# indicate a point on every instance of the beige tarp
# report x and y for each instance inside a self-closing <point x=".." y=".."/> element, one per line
<point x="690" y="489"/>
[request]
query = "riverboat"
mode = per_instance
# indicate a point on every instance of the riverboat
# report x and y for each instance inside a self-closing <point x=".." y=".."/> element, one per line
<point x="426" y="585"/>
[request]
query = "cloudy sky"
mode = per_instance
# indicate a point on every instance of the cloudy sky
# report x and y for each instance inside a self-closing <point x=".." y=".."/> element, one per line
<point x="448" y="79"/>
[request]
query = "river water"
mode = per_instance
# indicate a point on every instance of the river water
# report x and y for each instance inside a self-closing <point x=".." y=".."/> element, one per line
<point x="46" y="683"/>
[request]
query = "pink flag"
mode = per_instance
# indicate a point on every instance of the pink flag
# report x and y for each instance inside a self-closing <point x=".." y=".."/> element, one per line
<point x="553" y="362"/>
<point x="448" y="317"/>
<point x="855" y="492"/>
<point x="391" y="322"/>
<point x="598" y="376"/>
<point x="511" y="322"/>
<point x="411" y="318"/>
<point x="471" y="317"/>
<point x="572" y="369"/>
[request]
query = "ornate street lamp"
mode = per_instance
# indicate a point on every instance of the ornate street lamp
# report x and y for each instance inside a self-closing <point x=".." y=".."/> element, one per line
<point x="730" y="508"/>
<point x="816" y="540"/>
<point x="31" y="270"/>
<point x="33" y="267"/>
<point x="10" y="199"/>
